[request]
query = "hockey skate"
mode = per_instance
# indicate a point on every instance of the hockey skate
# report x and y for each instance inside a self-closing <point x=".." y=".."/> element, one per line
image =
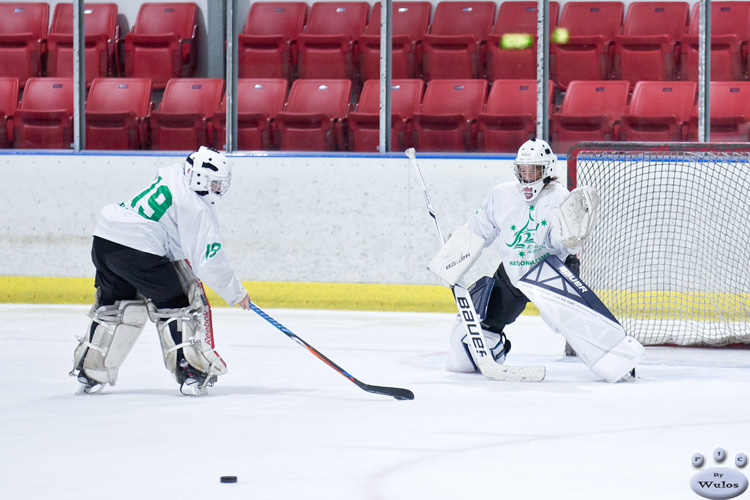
<point x="194" y="382"/>
<point x="88" y="386"/>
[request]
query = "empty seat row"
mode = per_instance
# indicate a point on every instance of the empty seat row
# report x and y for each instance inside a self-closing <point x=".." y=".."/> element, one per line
<point x="160" y="46"/>
<point x="655" y="112"/>
<point x="316" y="115"/>
<point x="464" y="39"/>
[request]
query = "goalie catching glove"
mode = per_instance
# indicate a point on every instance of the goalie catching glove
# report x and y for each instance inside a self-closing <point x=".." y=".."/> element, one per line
<point x="575" y="218"/>
<point x="458" y="254"/>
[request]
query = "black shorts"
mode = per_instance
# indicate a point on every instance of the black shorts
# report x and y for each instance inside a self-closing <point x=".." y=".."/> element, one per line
<point x="506" y="302"/>
<point x="122" y="272"/>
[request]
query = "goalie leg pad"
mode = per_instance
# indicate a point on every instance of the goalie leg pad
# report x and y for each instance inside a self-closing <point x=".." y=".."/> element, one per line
<point x="114" y="331"/>
<point x="186" y="335"/>
<point x="571" y="308"/>
<point x="459" y="355"/>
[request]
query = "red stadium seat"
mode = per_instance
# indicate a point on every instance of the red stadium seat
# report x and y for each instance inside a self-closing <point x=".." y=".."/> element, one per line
<point x="517" y="63"/>
<point x="590" y="111"/>
<point x="457" y="44"/>
<point x="44" y="119"/>
<point x="101" y="31"/>
<point x="181" y="121"/>
<point x="313" y="116"/>
<point x="364" y="123"/>
<point x="9" y="89"/>
<point x="258" y="102"/>
<point x="659" y="111"/>
<point x="328" y="46"/>
<point x="116" y="110"/>
<point x="730" y="113"/>
<point x="650" y="41"/>
<point x="162" y="43"/>
<point x="509" y="117"/>
<point x="410" y="23"/>
<point x="23" y="31"/>
<point x="447" y="120"/>
<point x="588" y="52"/>
<point x="267" y="46"/>
<point x="730" y="34"/>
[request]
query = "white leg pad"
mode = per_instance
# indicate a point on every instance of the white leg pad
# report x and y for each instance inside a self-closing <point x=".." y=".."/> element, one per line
<point x="118" y="328"/>
<point x="571" y="308"/>
<point x="195" y="323"/>
<point x="459" y="356"/>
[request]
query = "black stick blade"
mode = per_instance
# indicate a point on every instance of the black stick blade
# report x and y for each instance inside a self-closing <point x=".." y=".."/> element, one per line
<point x="394" y="392"/>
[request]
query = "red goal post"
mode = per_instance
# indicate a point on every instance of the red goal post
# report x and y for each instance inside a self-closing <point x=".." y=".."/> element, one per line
<point x="670" y="255"/>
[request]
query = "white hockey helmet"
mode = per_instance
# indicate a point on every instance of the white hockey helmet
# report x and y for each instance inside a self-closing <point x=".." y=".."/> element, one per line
<point x="534" y="166"/>
<point x="207" y="173"/>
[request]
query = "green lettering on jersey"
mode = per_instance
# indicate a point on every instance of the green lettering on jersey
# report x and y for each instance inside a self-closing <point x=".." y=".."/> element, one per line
<point x="211" y="249"/>
<point x="157" y="203"/>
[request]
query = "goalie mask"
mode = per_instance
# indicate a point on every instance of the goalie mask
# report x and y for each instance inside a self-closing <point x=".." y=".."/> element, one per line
<point x="534" y="167"/>
<point x="207" y="173"/>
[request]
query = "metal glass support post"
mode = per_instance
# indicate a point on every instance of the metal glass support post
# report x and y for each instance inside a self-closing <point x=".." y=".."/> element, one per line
<point x="386" y="35"/>
<point x="542" y="69"/>
<point x="79" y="78"/>
<point x="231" y="77"/>
<point x="704" y="72"/>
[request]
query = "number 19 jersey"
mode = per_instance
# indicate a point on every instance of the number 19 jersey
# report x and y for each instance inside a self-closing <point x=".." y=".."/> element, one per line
<point x="171" y="220"/>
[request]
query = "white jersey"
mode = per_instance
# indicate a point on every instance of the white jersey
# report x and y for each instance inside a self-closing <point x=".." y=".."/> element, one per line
<point x="523" y="227"/>
<point x="171" y="220"/>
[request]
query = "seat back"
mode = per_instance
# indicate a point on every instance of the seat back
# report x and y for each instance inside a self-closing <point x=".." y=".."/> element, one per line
<point x="656" y="18"/>
<point x="158" y="18"/>
<point x="730" y="112"/>
<point x="449" y="108"/>
<point x="336" y="18"/>
<point x="23" y="26"/>
<point x="592" y="18"/>
<point x="410" y="23"/>
<point x="663" y="99"/>
<point x="590" y="111"/>
<point x="647" y="48"/>
<point x="181" y="119"/>
<point x="730" y="33"/>
<point x="9" y="91"/>
<point x="267" y="45"/>
<point x="259" y="100"/>
<point x="457" y="44"/>
<point x="276" y="18"/>
<point x="364" y="123"/>
<point x="327" y="44"/>
<point x="408" y="18"/>
<point x="44" y="119"/>
<point x="587" y="54"/>
<point x="516" y="17"/>
<point x="115" y="111"/>
<point x="162" y="43"/>
<point x="100" y="27"/>
<point x="311" y="120"/>
<point x="659" y="111"/>
<point x="509" y="117"/>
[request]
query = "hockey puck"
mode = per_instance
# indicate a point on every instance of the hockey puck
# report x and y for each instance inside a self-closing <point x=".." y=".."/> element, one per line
<point x="228" y="479"/>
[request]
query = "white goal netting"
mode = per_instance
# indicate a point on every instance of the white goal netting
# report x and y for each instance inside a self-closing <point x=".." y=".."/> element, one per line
<point x="670" y="255"/>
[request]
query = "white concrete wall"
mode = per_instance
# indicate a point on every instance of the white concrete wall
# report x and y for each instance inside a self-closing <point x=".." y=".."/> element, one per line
<point x="311" y="219"/>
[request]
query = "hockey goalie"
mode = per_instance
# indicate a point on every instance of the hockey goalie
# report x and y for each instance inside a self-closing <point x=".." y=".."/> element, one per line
<point x="537" y="224"/>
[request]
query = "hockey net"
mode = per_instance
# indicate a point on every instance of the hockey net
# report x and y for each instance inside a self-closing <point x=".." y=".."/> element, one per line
<point x="670" y="254"/>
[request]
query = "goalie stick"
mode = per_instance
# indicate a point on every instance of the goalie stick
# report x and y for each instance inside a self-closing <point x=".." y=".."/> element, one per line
<point x="394" y="392"/>
<point x="470" y="319"/>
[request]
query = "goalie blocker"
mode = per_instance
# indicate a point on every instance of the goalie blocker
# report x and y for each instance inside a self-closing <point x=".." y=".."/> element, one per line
<point x="570" y="308"/>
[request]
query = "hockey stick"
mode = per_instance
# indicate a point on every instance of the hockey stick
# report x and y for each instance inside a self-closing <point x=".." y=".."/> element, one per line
<point x="395" y="392"/>
<point x="469" y="316"/>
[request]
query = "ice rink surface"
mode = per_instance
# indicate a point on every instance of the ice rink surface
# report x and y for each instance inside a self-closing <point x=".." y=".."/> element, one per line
<point x="290" y="427"/>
